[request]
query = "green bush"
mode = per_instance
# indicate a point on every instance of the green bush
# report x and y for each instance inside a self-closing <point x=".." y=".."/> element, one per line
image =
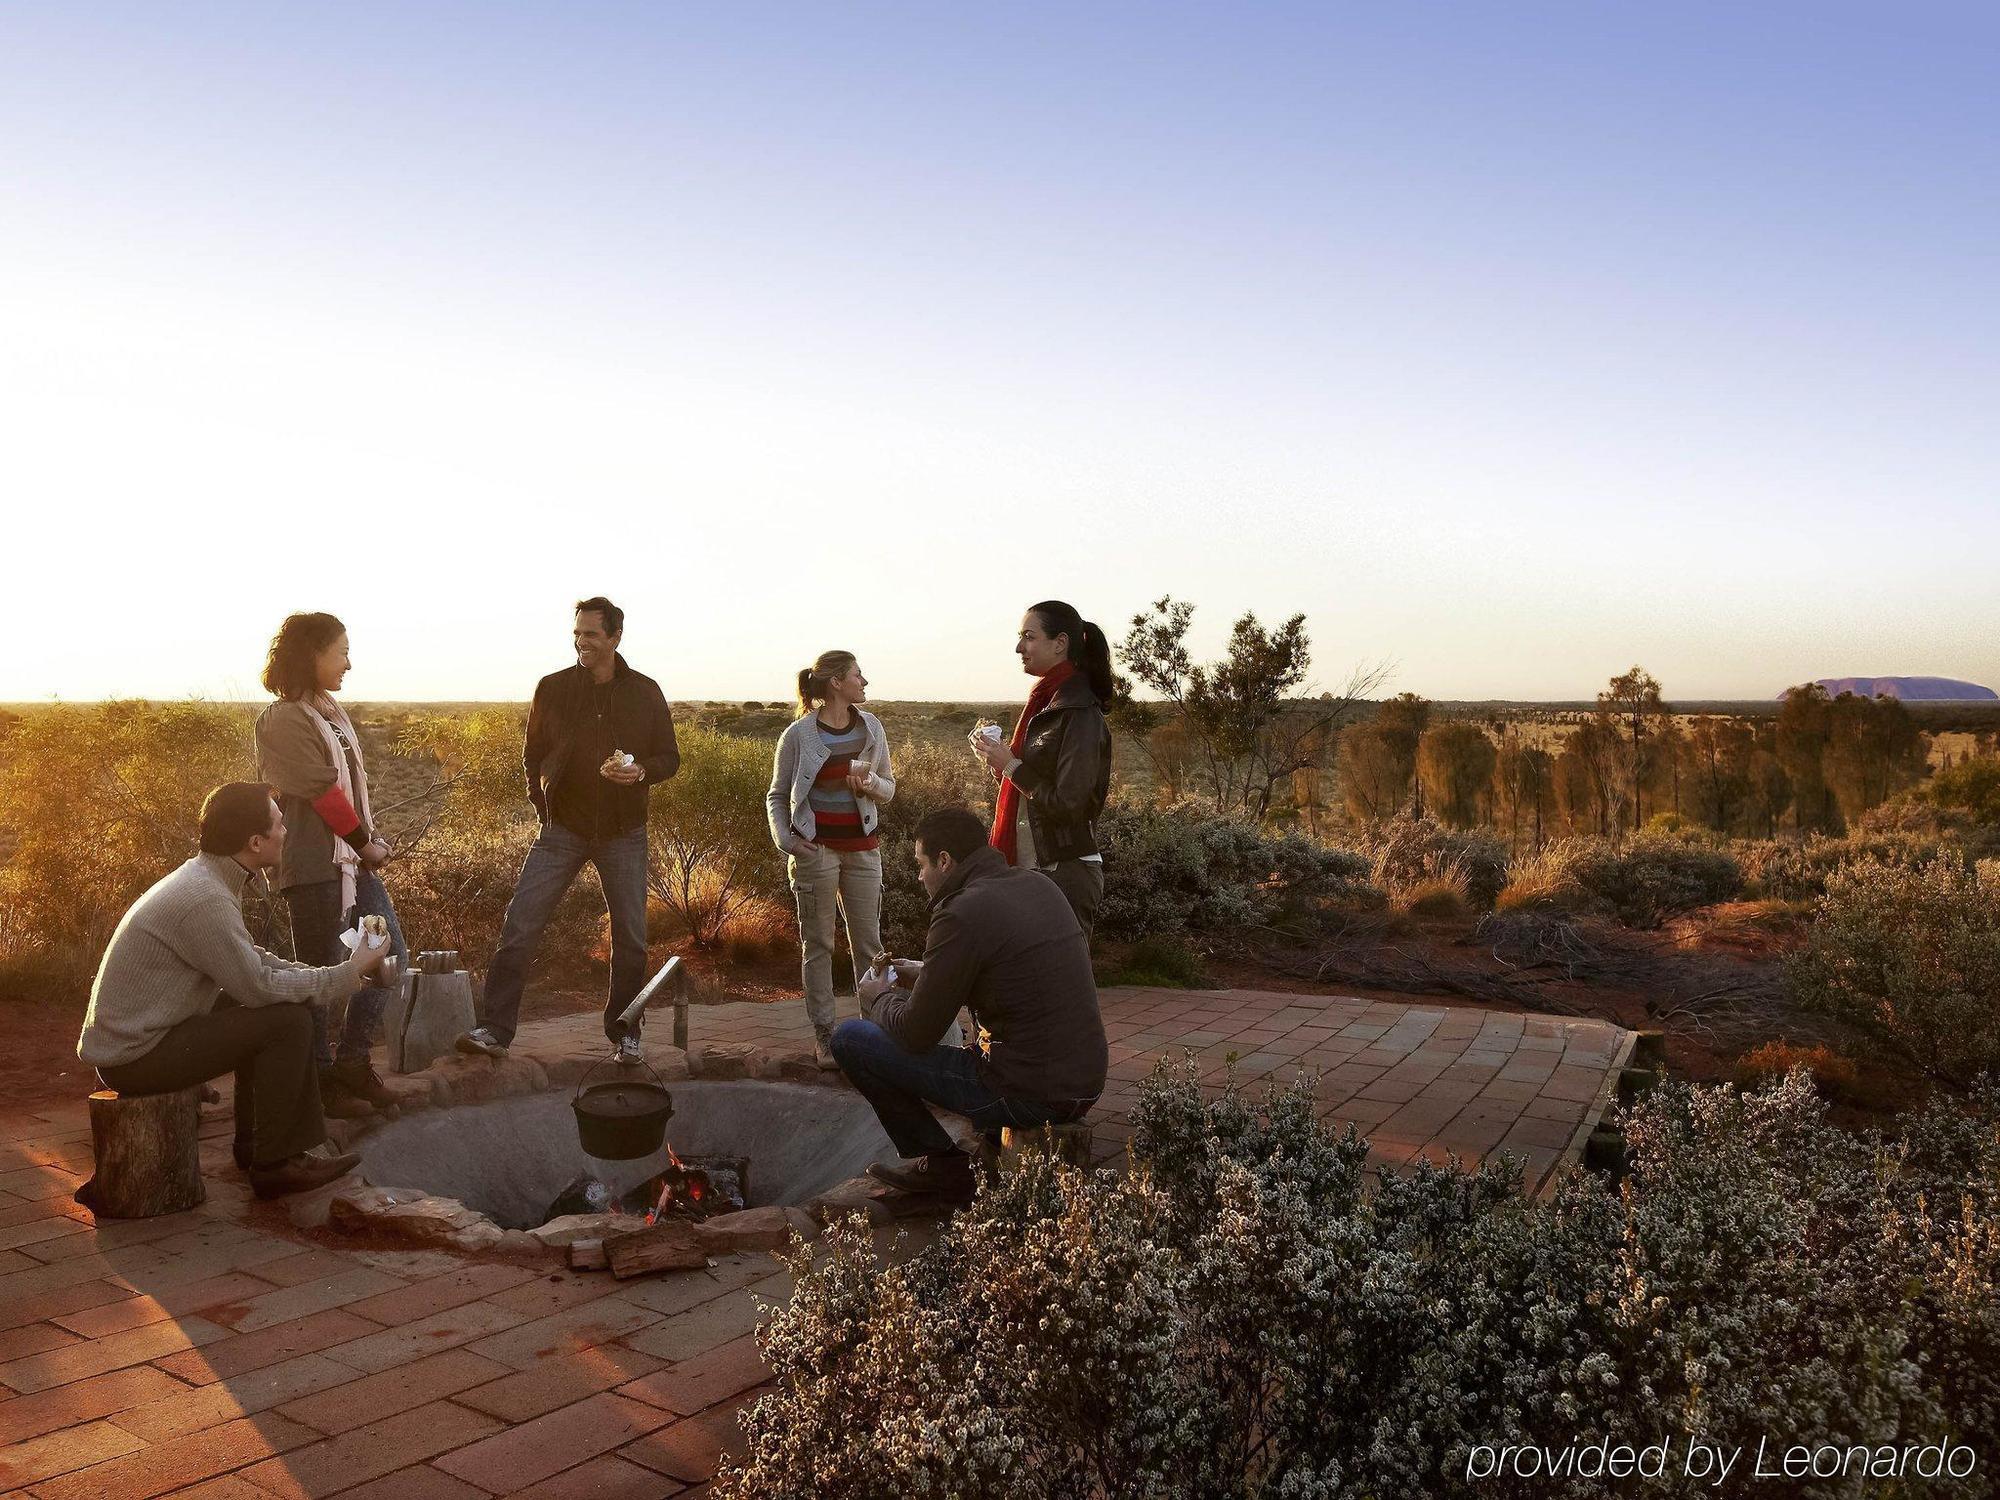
<point x="1410" y="853"/>
<point x="1798" y="869"/>
<point x="1244" y="1315"/>
<point x="1184" y="871"/>
<point x="1652" y="876"/>
<point x="709" y="839"/>
<point x="1971" y="787"/>
<point x="102" y="800"/>
<point x="1161" y="962"/>
<point x="1912" y="957"/>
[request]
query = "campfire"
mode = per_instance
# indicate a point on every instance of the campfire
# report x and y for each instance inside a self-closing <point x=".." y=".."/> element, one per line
<point x="692" y="1189"/>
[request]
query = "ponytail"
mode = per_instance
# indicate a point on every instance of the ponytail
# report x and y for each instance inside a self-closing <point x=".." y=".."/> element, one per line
<point x="1089" y="651"/>
<point x="816" y="681"/>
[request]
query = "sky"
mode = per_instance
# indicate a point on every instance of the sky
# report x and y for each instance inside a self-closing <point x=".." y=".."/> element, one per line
<point x="1511" y="345"/>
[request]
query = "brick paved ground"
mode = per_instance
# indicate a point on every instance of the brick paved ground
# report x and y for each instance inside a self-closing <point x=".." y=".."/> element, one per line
<point x="221" y="1354"/>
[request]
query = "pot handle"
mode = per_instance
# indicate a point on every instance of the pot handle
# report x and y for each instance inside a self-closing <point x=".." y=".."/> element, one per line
<point x="601" y="1062"/>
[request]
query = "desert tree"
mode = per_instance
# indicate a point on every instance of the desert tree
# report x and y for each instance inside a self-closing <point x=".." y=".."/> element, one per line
<point x="1632" y="703"/>
<point x="1377" y="761"/>
<point x="1455" y="767"/>
<point x="1804" y="728"/>
<point x="1245" y="716"/>
<point x="1524" y="788"/>
<point x="1873" y="748"/>
<point x="1719" y="752"/>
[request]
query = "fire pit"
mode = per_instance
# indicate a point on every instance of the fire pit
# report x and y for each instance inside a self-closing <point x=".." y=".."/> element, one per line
<point x="517" y="1159"/>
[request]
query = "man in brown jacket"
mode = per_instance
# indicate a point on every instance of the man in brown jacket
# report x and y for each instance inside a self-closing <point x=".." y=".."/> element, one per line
<point x="1003" y="943"/>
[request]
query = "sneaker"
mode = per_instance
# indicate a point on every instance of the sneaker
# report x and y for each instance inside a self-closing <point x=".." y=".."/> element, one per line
<point x="358" y="1076"/>
<point x="946" y="1175"/>
<point x="479" y="1042"/>
<point x="336" y="1102"/>
<point x="300" y="1174"/>
<point x="628" y="1053"/>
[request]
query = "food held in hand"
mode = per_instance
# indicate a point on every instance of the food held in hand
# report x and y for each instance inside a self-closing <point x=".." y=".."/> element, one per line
<point x="620" y="758"/>
<point x="375" y="929"/>
<point x="991" y="732"/>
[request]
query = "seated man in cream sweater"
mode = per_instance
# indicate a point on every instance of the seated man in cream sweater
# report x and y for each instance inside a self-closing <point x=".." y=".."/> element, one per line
<point x="183" y="995"/>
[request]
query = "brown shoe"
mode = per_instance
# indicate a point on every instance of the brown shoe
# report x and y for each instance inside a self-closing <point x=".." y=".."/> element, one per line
<point x="336" y="1102"/>
<point x="300" y="1174"/>
<point x="946" y="1175"/>
<point x="358" y="1077"/>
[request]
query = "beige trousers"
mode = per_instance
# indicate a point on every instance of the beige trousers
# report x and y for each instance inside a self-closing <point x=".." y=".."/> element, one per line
<point x="848" y="881"/>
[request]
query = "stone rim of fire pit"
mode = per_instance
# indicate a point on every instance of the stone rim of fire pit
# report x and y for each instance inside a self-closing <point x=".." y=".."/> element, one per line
<point x="429" y="1220"/>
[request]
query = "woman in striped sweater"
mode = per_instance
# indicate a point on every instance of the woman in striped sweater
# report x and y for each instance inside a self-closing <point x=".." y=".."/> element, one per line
<point x="829" y="778"/>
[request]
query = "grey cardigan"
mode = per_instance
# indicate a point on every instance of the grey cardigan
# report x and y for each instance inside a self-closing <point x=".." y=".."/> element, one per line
<point x="801" y="753"/>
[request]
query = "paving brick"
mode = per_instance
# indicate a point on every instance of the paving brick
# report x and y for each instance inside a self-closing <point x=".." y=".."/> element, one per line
<point x="19" y="1285"/>
<point x="169" y="1302"/>
<point x="48" y="1226"/>
<point x="357" y="1402"/>
<point x="27" y="1463"/>
<point x="33" y="1338"/>
<point x="38" y="1372"/>
<point x="425" y="1336"/>
<point x="556" y="1292"/>
<point x="240" y="1353"/>
<point x="39" y="1182"/>
<point x="417" y="1482"/>
<point x="695" y="1384"/>
<point x="370" y="1452"/>
<point x="349" y="1284"/>
<point x="192" y="1408"/>
<point x="26" y="1417"/>
<point x="605" y="1478"/>
<point x="547" y="1445"/>
<point x="559" y="1381"/>
<point x="438" y="1294"/>
<point x="222" y="1487"/>
<point x="303" y="1266"/>
<point x="701" y="1328"/>
<point x="574" y="1328"/>
<point x="160" y="1467"/>
<point x="690" y="1449"/>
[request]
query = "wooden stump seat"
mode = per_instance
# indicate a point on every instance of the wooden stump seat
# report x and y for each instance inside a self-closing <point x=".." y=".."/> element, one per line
<point x="1070" y="1143"/>
<point x="147" y="1153"/>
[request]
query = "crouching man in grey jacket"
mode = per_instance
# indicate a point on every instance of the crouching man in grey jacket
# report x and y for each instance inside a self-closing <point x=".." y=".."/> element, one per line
<point x="1004" y="943"/>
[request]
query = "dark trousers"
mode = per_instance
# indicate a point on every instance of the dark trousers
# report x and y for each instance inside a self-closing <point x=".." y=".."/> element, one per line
<point x="267" y="1047"/>
<point x="554" y="860"/>
<point x="1082" y="883"/>
<point x="317" y="923"/>
<point x="899" y="1084"/>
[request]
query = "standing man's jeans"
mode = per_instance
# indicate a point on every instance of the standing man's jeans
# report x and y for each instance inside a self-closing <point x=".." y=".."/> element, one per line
<point x="899" y="1084"/>
<point x="554" y="861"/>
<point x="317" y="923"/>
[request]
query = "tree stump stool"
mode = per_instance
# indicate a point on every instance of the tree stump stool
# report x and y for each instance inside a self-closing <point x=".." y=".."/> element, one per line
<point x="147" y="1152"/>
<point x="1070" y="1143"/>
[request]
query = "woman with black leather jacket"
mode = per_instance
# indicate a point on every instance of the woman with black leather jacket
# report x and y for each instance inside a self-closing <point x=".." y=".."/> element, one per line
<point x="1059" y="757"/>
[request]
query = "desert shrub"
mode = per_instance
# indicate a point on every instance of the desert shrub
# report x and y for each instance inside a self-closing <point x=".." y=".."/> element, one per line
<point x="927" y="777"/>
<point x="1170" y="963"/>
<point x="1971" y="787"/>
<point x="1832" y="1074"/>
<point x="1912" y="957"/>
<point x="1441" y="897"/>
<point x="102" y="801"/>
<point x="1185" y="871"/>
<point x="710" y="844"/>
<point x="1797" y="869"/>
<point x="1651" y="876"/>
<point x="1407" y="852"/>
<point x="1241" y="1316"/>
<point x="1544" y="879"/>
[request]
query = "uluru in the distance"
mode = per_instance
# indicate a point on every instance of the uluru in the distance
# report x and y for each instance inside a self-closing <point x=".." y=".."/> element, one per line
<point x="1910" y="689"/>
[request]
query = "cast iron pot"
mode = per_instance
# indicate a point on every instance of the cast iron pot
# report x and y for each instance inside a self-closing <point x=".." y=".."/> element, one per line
<point x="624" y="1120"/>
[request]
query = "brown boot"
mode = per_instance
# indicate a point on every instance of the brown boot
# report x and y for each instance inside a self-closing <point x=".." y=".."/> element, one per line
<point x="945" y="1175"/>
<point x="300" y="1174"/>
<point x="358" y="1077"/>
<point x="336" y="1102"/>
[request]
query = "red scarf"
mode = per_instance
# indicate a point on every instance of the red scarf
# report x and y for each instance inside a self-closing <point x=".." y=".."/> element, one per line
<point x="1007" y="806"/>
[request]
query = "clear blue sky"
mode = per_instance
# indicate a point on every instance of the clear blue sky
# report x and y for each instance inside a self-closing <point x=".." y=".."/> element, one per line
<point x="1512" y="344"/>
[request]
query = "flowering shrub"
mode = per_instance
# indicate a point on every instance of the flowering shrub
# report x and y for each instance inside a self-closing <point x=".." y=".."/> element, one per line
<point x="1798" y="869"/>
<point x="1912" y="957"/>
<point x="1240" y="1316"/>
<point x="1651" y="876"/>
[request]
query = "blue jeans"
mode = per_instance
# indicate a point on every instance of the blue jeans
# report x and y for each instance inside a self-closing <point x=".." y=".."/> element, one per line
<point x="317" y="923"/>
<point x="554" y="860"/>
<point x="899" y="1084"/>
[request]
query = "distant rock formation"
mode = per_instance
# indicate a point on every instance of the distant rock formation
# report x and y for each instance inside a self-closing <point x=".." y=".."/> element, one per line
<point x="1910" y="689"/>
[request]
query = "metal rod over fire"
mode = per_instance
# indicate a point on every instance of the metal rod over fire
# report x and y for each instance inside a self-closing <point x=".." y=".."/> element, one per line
<point x="672" y="974"/>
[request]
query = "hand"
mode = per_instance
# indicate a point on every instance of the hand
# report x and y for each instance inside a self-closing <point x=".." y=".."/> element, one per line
<point x="871" y="988"/>
<point x="996" y="753"/>
<point x="907" y="970"/>
<point x="799" y="848"/>
<point x="377" y="853"/>
<point x="859" y="779"/>
<point x="368" y="961"/>
<point x="630" y="775"/>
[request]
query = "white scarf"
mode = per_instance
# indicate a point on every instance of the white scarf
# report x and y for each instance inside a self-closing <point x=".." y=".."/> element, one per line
<point x="346" y="858"/>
